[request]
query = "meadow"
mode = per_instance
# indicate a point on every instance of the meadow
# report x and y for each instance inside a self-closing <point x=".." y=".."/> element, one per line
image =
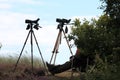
<point x="24" y="70"/>
<point x="100" y="71"/>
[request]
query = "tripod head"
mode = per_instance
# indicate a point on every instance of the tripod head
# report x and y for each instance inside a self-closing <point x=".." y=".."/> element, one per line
<point x="62" y="22"/>
<point x="32" y="24"/>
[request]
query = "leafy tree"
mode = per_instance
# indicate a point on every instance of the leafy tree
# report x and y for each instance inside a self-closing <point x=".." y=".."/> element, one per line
<point x="93" y="37"/>
<point x="100" y="36"/>
<point x="112" y="9"/>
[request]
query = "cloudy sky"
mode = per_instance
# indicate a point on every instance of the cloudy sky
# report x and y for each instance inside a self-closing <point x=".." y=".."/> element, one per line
<point x="13" y="28"/>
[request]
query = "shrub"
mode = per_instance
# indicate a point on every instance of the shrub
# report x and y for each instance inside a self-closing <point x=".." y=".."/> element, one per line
<point x="103" y="70"/>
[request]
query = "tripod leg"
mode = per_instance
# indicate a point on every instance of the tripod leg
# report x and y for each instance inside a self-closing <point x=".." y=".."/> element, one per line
<point x="40" y="51"/>
<point x="32" y="49"/>
<point x="55" y="57"/>
<point x="56" y="43"/>
<point x="70" y="52"/>
<point x="51" y="58"/>
<point x="21" y="52"/>
<point x="57" y="46"/>
<point x="68" y="43"/>
<point x="55" y="50"/>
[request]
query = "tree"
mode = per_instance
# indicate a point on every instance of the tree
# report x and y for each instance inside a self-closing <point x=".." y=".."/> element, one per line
<point x="93" y="37"/>
<point x="112" y="9"/>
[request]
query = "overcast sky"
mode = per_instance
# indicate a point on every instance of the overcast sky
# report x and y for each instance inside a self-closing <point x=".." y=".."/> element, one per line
<point x="13" y="28"/>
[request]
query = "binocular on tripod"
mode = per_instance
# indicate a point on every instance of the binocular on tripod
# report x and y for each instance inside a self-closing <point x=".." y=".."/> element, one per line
<point x="31" y="23"/>
<point x="62" y="22"/>
<point x="34" y="24"/>
<point x="60" y="26"/>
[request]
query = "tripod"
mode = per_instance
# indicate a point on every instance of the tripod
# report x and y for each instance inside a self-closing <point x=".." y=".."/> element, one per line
<point x="58" y="40"/>
<point x="61" y="24"/>
<point x="31" y="25"/>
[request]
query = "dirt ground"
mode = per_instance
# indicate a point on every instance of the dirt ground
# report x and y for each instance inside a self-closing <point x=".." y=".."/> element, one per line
<point x="25" y="74"/>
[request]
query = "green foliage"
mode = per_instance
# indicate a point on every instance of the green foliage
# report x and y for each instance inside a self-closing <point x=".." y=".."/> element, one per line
<point x="83" y="34"/>
<point x="112" y="8"/>
<point x="102" y="37"/>
<point x="102" y="71"/>
<point x="95" y="36"/>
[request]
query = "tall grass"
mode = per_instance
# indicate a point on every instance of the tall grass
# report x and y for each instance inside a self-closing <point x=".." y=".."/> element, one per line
<point x="23" y="69"/>
<point x="102" y="70"/>
<point x="23" y="60"/>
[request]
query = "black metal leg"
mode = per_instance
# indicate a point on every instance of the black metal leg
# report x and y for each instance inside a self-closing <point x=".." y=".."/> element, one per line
<point x="68" y="43"/>
<point x="32" y="50"/>
<point x="71" y="54"/>
<point x="40" y="51"/>
<point x="21" y="52"/>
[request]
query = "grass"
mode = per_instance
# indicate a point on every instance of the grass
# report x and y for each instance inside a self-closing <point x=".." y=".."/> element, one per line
<point x="101" y="71"/>
<point x="23" y="70"/>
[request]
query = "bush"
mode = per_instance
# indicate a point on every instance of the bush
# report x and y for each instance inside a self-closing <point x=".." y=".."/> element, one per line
<point x="103" y="70"/>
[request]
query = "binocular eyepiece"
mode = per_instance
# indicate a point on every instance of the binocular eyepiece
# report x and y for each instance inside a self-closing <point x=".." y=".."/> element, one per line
<point x="35" y="24"/>
<point x="32" y="24"/>
<point x="32" y="21"/>
<point x="62" y="21"/>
